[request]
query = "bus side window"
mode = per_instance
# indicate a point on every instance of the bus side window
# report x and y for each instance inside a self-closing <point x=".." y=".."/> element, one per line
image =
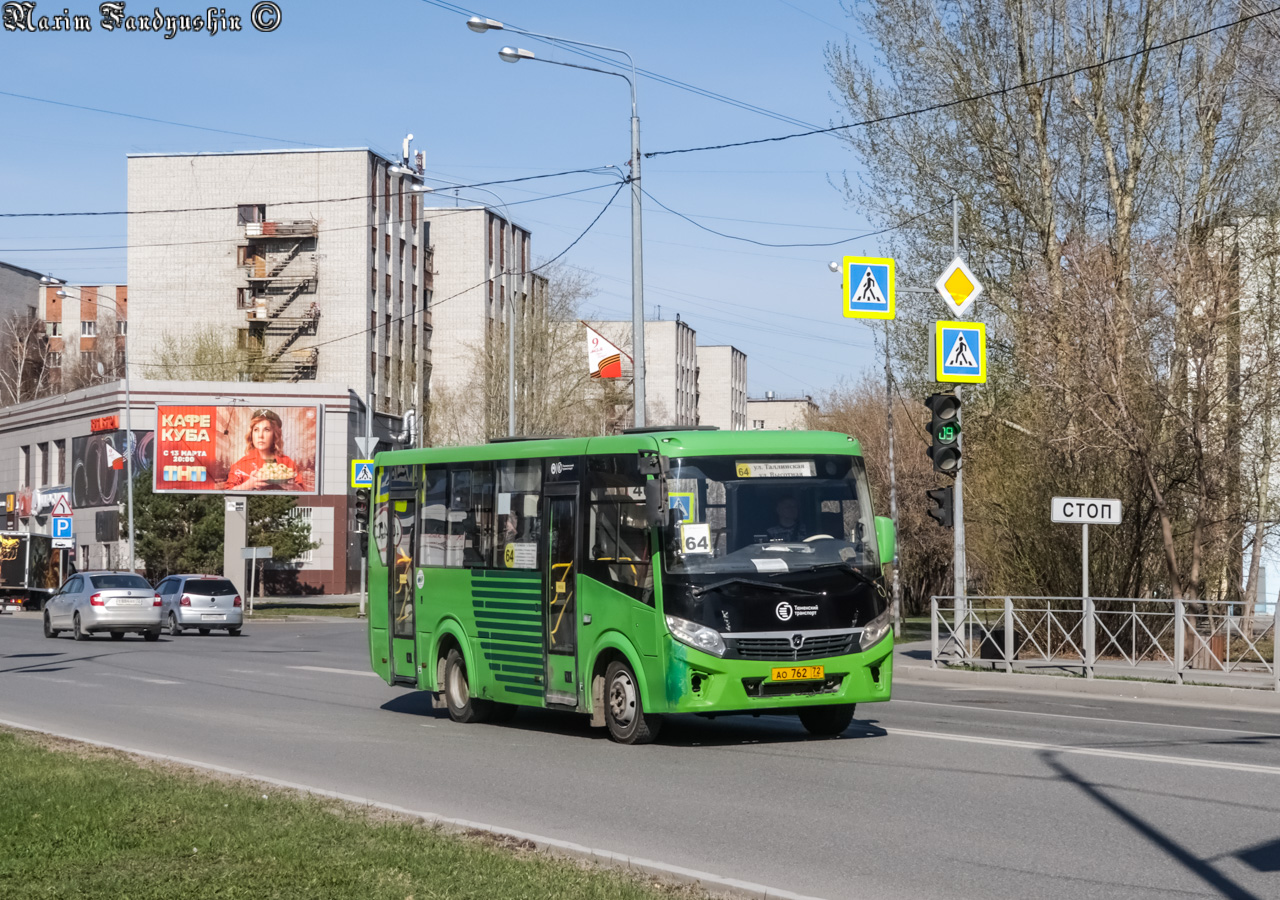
<point x="618" y="551"/>
<point x="517" y="520"/>
<point x="433" y="528"/>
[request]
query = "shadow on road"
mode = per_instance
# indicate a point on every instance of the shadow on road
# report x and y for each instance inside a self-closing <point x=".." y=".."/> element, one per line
<point x="1262" y="858"/>
<point x="1221" y="884"/>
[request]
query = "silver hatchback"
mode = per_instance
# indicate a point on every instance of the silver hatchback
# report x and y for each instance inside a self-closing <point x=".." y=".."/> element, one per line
<point x="114" y="602"/>
<point x="203" y="602"/>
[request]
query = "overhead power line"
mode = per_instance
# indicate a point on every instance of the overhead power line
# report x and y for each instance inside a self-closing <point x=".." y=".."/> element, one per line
<point x="1150" y="48"/>
<point x="412" y="313"/>
<point x="849" y="240"/>
<point x="186" y="209"/>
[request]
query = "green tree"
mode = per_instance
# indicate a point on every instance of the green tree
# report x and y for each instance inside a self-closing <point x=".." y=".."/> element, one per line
<point x="184" y="532"/>
<point x="174" y="532"/>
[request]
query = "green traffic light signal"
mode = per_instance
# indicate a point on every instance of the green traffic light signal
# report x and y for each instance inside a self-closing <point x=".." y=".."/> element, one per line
<point x="944" y="432"/>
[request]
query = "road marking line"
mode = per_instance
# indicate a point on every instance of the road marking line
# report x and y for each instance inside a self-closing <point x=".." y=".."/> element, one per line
<point x="606" y="857"/>
<point x="140" y="678"/>
<point x="1032" y="712"/>
<point x="336" y="671"/>
<point x="1090" y="751"/>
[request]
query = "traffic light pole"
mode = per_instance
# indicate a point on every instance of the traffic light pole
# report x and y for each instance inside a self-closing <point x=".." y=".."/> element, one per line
<point x="958" y="556"/>
<point x="893" y="486"/>
<point x="364" y="555"/>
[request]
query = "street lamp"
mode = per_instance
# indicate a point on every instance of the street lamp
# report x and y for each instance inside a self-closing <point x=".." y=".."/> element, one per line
<point x="128" y="417"/>
<point x="513" y="55"/>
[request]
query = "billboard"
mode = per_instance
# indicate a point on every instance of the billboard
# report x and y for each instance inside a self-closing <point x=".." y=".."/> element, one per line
<point x="237" y="448"/>
<point x="98" y="466"/>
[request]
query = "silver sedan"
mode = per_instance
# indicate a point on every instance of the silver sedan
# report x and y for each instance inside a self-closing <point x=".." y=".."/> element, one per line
<point x="114" y="602"/>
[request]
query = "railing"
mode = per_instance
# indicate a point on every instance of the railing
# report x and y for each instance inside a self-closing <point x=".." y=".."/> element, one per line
<point x="286" y="228"/>
<point x="1153" y="638"/>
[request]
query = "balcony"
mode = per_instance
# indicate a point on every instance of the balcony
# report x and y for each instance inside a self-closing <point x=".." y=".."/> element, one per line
<point x="288" y="228"/>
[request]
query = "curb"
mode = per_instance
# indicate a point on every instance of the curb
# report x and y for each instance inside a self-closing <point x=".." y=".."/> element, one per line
<point x="1214" y="697"/>
<point x="720" y="883"/>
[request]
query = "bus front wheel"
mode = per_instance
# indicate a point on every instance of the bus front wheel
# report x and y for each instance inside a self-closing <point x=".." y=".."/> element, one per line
<point x="827" y="721"/>
<point x="623" y="709"/>
<point x="457" y="692"/>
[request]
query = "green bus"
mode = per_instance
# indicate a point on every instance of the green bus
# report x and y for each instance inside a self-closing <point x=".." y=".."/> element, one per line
<point x="631" y="576"/>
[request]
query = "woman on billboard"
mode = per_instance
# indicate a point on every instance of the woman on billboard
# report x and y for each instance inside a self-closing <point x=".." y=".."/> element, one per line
<point x="264" y="466"/>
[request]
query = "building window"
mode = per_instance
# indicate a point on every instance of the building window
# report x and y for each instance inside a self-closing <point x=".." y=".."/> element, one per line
<point x="402" y="243"/>
<point x="24" y="466"/>
<point x="413" y="211"/>
<point x="373" y="189"/>
<point x="386" y="193"/>
<point x="43" y="450"/>
<point x="55" y="359"/>
<point x="388" y="243"/>
<point x="374" y="243"/>
<point x="388" y="279"/>
<point x="251" y="212"/>
<point x="122" y="326"/>
<point x="60" y="451"/>
<point x="373" y="363"/>
<point x="400" y="198"/>
<point x="757" y="424"/>
<point x="373" y="280"/>
<point x="89" y="329"/>
<point x="53" y="329"/>
<point x="303" y="513"/>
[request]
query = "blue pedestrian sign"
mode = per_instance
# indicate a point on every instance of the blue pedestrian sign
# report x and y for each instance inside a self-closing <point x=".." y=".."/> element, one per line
<point x="362" y="473"/>
<point x="868" y="287"/>
<point x="61" y="526"/>
<point x="960" y="352"/>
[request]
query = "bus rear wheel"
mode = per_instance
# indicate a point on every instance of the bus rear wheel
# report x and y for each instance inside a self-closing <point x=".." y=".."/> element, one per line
<point x="623" y="709"/>
<point x="457" y="692"/>
<point x="827" y="721"/>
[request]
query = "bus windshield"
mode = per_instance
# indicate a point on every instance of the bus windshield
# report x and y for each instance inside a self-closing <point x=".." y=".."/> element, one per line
<point x="765" y="515"/>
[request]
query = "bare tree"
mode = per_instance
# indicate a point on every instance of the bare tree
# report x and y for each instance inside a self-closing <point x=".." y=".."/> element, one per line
<point x="25" y="370"/>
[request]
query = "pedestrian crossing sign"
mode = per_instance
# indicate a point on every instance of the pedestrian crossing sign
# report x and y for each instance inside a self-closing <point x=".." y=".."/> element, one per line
<point x="362" y="473"/>
<point x="868" y="287"/>
<point x="960" y="352"/>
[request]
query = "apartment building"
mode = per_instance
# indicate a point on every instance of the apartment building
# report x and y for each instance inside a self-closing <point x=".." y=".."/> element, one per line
<point x="483" y="261"/>
<point x="86" y="325"/>
<point x="19" y="290"/>
<point x="781" y="413"/>
<point x="310" y="266"/>
<point x="722" y="387"/>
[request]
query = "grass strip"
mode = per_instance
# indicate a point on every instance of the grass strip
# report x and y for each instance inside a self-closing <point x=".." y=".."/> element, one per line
<point x="78" y="821"/>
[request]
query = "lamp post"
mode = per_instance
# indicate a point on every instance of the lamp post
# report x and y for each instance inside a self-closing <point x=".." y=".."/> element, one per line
<point x="515" y="54"/>
<point x="128" y="415"/>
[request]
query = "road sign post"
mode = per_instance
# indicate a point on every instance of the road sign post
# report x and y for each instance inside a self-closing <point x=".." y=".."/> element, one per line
<point x="1086" y="511"/>
<point x="253" y="554"/>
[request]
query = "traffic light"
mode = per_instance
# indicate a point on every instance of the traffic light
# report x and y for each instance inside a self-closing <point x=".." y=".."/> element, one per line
<point x="943" y="510"/>
<point x="362" y="510"/>
<point x="944" y="432"/>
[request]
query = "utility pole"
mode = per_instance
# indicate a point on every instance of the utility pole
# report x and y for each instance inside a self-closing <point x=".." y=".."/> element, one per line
<point x="364" y="557"/>
<point x="893" y="485"/>
<point x="958" y="558"/>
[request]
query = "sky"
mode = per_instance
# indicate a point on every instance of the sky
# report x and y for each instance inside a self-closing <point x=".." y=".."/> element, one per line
<point x="365" y="74"/>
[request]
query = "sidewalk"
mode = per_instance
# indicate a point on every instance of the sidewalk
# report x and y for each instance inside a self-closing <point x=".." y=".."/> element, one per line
<point x="912" y="665"/>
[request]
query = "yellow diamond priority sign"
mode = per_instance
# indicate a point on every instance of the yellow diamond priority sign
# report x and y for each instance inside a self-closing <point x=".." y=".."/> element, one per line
<point x="958" y="286"/>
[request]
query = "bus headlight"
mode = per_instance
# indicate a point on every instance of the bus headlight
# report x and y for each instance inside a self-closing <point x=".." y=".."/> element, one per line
<point x="875" y="630"/>
<point x="699" y="637"/>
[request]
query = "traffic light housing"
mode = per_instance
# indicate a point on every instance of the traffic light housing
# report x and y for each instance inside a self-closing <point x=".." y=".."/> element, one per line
<point x="944" y="432"/>
<point x="362" y="511"/>
<point x="943" y="509"/>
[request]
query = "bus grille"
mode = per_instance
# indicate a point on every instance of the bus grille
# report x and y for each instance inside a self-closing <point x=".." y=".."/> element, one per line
<point x="779" y="648"/>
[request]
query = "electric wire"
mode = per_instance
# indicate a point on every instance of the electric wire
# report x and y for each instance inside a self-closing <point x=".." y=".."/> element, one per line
<point x="986" y="95"/>
<point x="411" y="313"/>
<point x="734" y="237"/>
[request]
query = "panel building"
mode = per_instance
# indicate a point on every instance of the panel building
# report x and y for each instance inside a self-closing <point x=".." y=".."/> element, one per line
<point x="722" y="387"/>
<point x="671" y="368"/>
<point x="782" y="413"/>
<point x="303" y="265"/>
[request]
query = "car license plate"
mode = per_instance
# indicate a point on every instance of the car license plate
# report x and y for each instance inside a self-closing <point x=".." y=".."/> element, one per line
<point x="797" y="673"/>
<point x="207" y="617"/>
<point x="128" y="601"/>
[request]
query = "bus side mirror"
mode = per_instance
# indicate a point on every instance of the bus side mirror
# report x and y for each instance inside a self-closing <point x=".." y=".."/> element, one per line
<point x="887" y="539"/>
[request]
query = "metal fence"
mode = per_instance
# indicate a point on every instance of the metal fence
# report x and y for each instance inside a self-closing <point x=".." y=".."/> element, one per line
<point x="1151" y="638"/>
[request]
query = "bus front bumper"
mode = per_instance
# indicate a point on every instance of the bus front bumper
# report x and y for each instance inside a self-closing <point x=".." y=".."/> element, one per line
<point x="698" y="682"/>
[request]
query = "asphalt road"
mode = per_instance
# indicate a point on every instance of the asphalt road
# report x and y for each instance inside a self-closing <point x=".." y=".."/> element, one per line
<point x="942" y="792"/>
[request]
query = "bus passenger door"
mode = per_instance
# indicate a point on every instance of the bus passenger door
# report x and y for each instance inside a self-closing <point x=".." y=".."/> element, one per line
<point x="401" y="515"/>
<point x="560" y="530"/>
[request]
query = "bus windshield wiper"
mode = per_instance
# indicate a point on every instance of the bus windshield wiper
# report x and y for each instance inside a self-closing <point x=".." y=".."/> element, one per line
<point x="781" y="588"/>
<point x="850" y="568"/>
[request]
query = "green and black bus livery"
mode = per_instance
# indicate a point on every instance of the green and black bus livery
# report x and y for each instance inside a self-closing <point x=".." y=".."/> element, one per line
<point x="632" y="576"/>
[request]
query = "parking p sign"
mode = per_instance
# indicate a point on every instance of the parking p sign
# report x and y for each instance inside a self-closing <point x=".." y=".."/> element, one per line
<point x="868" y="287"/>
<point x="61" y="526"/>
